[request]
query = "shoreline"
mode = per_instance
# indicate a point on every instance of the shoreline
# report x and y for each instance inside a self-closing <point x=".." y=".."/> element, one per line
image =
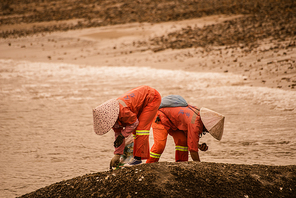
<point x="255" y="39"/>
<point x="115" y="46"/>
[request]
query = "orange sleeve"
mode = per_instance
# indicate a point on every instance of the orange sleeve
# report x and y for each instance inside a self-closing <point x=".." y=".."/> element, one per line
<point x="193" y="135"/>
<point x="126" y="116"/>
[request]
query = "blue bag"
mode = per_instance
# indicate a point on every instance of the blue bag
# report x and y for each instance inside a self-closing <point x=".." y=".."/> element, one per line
<point x="173" y="101"/>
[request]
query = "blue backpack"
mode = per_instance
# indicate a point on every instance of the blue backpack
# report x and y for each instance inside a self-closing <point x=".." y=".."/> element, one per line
<point x="173" y="101"/>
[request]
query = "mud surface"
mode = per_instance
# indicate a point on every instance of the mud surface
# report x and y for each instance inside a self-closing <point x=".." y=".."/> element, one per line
<point x="186" y="179"/>
<point x="264" y="18"/>
<point x="267" y="19"/>
<point x="258" y="43"/>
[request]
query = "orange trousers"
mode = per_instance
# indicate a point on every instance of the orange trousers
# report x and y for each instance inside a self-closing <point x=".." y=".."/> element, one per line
<point x="160" y="135"/>
<point x="141" y="134"/>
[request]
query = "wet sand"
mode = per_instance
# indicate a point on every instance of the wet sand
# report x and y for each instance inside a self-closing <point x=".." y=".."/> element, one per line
<point x="269" y="62"/>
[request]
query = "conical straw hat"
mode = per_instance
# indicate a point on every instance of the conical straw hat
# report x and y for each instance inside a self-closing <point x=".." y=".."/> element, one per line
<point x="105" y="116"/>
<point x="213" y="121"/>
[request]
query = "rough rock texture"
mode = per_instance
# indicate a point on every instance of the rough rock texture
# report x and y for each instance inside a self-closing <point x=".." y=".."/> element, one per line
<point x="274" y="20"/>
<point x="186" y="179"/>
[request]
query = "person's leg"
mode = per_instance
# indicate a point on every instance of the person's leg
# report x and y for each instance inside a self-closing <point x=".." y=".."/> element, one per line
<point x="180" y="140"/>
<point x="141" y="141"/>
<point x="160" y="137"/>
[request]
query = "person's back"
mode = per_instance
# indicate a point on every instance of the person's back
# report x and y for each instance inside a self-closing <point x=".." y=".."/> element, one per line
<point x="180" y="118"/>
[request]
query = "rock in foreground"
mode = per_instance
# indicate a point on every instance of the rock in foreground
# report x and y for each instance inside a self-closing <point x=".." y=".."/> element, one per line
<point x="186" y="179"/>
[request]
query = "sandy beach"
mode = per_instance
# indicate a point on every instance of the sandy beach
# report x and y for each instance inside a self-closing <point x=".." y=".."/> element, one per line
<point x="53" y="54"/>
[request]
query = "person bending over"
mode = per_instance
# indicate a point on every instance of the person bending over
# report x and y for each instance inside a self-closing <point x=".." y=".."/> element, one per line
<point x="133" y="112"/>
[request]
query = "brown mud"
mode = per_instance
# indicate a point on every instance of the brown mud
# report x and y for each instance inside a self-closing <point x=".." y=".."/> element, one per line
<point x="185" y="179"/>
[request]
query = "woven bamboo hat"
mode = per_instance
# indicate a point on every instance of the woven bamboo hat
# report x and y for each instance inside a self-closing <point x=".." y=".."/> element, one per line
<point x="105" y="116"/>
<point x="213" y="121"/>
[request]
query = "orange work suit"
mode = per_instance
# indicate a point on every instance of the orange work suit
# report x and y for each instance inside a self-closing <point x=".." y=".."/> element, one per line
<point x="139" y="103"/>
<point x="184" y="124"/>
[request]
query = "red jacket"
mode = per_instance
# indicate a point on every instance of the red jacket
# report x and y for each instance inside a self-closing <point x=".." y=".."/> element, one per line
<point x="183" y="119"/>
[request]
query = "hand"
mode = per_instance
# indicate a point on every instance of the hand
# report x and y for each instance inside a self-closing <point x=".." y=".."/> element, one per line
<point x="203" y="147"/>
<point x="114" y="161"/>
<point x="118" y="140"/>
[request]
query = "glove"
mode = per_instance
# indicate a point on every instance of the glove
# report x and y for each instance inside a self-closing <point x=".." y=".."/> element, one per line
<point x="118" y="140"/>
<point x="114" y="161"/>
<point x="203" y="147"/>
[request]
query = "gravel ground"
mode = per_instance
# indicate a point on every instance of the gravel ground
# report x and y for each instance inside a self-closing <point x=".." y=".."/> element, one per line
<point x="186" y="179"/>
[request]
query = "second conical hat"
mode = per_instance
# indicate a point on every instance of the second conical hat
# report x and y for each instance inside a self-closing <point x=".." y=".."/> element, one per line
<point x="213" y="121"/>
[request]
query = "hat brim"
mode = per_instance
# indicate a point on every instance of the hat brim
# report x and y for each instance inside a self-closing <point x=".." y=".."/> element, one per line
<point x="105" y="116"/>
<point x="217" y="130"/>
<point x="213" y="121"/>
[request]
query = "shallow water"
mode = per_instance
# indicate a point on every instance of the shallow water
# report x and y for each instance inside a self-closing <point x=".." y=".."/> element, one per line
<point x="46" y="119"/>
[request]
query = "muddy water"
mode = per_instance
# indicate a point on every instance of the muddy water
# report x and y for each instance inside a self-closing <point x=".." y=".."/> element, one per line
<point x="46" y="119"/>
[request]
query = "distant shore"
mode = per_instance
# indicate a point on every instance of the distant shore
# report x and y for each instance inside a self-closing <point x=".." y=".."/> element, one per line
<point x="255" y="39"/>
